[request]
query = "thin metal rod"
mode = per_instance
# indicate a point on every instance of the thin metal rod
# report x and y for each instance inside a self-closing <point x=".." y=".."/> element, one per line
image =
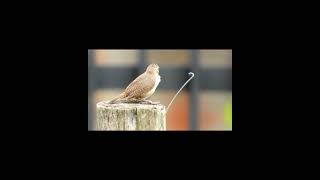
<point x="192" y="75"/>
<point x="194" y="92"/>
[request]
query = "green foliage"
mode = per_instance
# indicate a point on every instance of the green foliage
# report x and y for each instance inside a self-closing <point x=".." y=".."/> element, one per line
<point x="228" y="113"/>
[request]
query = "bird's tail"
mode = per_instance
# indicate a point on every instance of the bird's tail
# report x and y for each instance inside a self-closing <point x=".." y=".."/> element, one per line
<point x="122" y="95"/>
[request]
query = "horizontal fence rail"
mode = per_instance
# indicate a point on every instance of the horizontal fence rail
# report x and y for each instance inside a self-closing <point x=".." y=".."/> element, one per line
<point x="171" y="77"/>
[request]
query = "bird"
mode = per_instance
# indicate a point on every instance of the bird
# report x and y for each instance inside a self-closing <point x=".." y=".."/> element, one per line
<point x="142" y="87"/>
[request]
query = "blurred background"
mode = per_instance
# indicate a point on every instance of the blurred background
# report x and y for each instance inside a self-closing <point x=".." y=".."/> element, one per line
<point x="204" y="104"/>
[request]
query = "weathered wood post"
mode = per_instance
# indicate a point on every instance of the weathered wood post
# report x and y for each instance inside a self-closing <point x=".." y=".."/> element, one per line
<point x="127" y="116"/>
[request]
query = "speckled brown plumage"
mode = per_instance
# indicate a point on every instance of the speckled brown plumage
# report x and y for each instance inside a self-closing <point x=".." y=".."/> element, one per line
<point x="142" y="87"/>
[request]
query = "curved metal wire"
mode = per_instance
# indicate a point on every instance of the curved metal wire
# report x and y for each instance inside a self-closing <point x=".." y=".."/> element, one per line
<point x="192" y="75"/>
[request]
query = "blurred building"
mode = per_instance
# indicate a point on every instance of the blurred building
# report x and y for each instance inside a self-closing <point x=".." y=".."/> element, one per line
<point x="200" y="106"/>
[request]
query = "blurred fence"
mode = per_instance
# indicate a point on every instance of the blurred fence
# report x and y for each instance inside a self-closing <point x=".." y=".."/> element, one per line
<point x="100" y="77"/>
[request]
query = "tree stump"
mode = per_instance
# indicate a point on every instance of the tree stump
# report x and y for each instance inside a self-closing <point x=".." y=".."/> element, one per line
<point x="132" y="117"/>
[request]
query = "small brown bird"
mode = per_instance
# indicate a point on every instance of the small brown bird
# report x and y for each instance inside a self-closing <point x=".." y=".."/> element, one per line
<point x="142" y="87"/>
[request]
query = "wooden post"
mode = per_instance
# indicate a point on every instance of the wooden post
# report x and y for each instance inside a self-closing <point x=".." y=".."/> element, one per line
<point x="134" y="117"/>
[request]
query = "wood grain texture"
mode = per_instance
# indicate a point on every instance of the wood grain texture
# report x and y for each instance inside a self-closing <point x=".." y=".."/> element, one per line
<point x="130" y="117"/>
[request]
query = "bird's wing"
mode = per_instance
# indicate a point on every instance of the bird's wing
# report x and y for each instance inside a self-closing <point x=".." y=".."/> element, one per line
<point x="141" y="84"/>
<point x="139" y="78"/>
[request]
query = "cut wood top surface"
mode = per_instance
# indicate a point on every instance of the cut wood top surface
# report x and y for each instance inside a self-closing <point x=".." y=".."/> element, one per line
<point x="104" y="104"/>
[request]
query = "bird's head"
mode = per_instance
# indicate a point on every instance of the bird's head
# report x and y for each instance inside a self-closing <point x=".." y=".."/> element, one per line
<point x="153" y="68"/>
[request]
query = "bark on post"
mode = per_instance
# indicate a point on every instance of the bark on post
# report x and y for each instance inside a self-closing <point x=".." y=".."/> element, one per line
<point x="125" y="116"/>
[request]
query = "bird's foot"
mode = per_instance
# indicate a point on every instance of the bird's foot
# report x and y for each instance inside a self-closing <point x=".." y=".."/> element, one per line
<point x="130" y="100"/>
<point x="141" y="101"/>
<point x="148" y="102"/>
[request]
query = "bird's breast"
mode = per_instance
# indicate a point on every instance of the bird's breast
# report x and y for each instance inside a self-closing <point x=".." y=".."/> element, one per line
<point x="157" y="81"/>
